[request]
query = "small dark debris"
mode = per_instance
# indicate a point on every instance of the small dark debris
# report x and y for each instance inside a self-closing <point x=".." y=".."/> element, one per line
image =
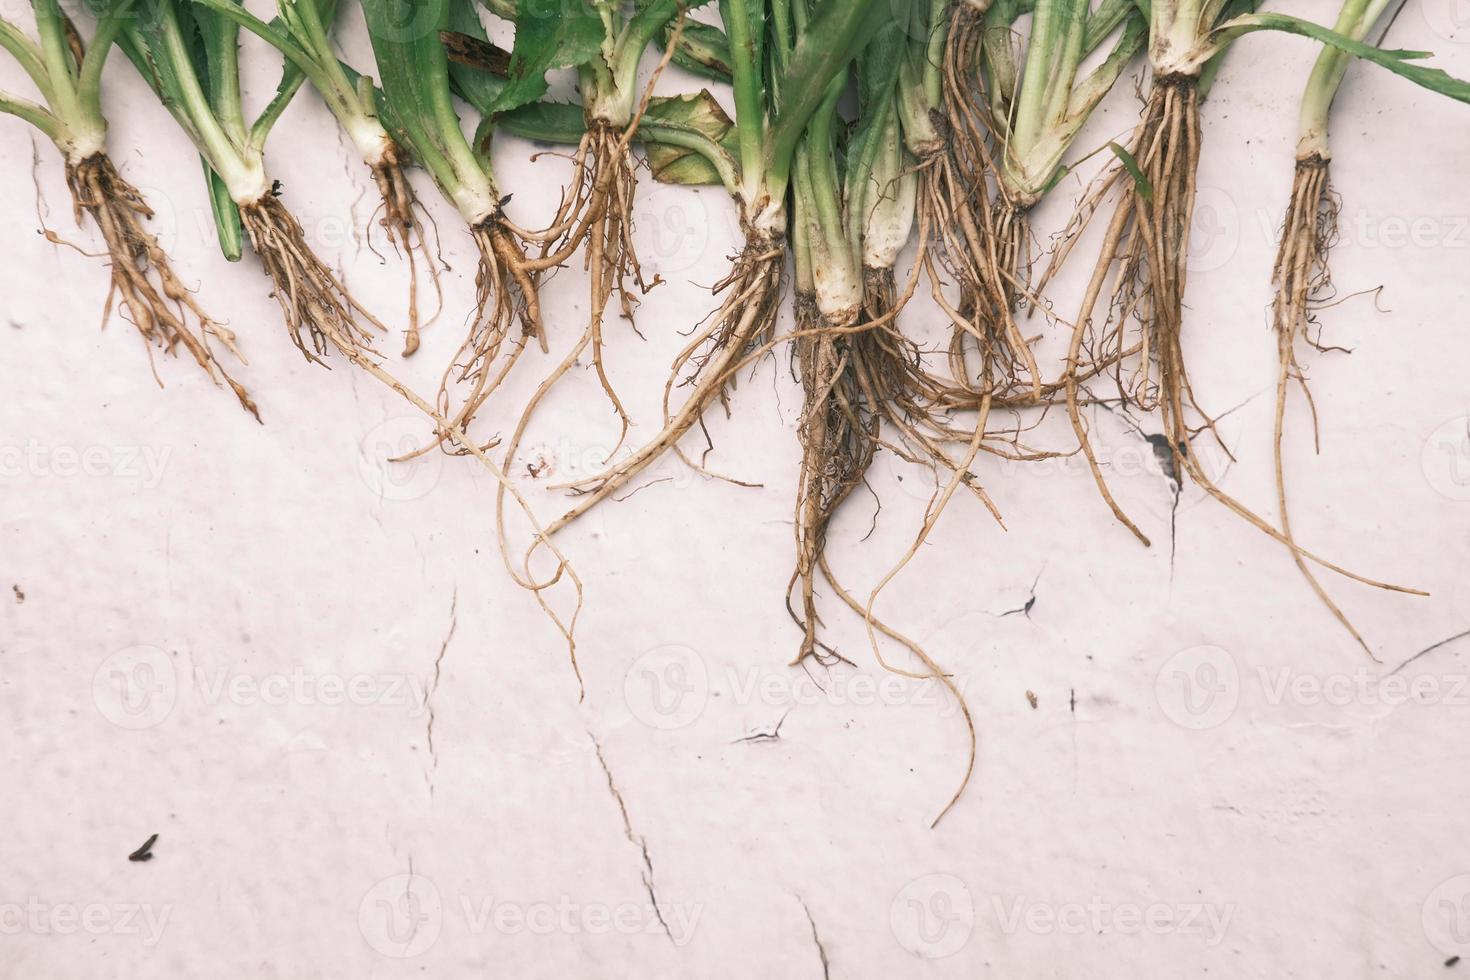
<point x="1452" y="961"/>
<point x="1031" y="696"/>
<point x="1074" y="700"/>
<point x="144" y="853"/>
<point x="19" y="595"/>
<point x="1164" y="453"/>
<point x="276" y="188"/>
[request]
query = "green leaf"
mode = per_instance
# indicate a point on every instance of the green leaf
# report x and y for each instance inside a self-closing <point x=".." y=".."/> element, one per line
<point x="550" y="34"/>
<point x="703" y="50"/>
<point x="416" y="104"/>
<point x="700" y="113"/>
<point x="1145" y="189"/>
<point x="560" y="123"/>
<point x="226" y="215"/>
<point x="877" y="73"/>
<point x="470" y="60"/>
<point x="1398" y="62"/>
<point x="216" y="56"/>
<point x="838" y="31"/>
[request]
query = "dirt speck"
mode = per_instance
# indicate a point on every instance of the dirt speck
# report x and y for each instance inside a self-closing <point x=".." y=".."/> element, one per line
<point x="20" y="596"/>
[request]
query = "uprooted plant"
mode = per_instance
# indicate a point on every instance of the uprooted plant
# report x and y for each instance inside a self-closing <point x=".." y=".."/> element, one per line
<point x="302" y="33"/>
<point x="418" y="109"/>
<point x="944" y="124"/>
<point x="1301" y="274"/>
<point x="606" y="45"/>
<point x="1038" y="105"/>
<point x="189" y="54"/>
<point x="1146" y="245"/>
<point x="68" y="76"/>
<point x="199" y="83"/>
<point x="779" y="85"/>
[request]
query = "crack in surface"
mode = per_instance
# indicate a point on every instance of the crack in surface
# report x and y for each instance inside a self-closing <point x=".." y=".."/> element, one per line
<point x="816" y="938"/>
<point x="434" y="686"/>
<point x="1025" y="608"/>
<point x="1429" y="649"/>
<point x="774" y="735"/>
<point x="636" y="839"/>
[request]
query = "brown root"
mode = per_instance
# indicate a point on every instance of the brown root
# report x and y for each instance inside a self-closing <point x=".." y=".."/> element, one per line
<point x="987" y="354"/>
<point x="854" y="380"/>
<point x="609" y="172"/>
<point x="954" y="201"/>
<point x="158" y="304"/>
<point x="610" y="260"/>
<point x="505" y="291"/>
<point x="1145" y="251"/>
<point x="1300" y="275"/>
<point x="1012" y="224"/>
<point x="318" y="308"/>
<point x="746" y="319"/>
<point x="839" y="437"/>
<point x="405" y="230"/>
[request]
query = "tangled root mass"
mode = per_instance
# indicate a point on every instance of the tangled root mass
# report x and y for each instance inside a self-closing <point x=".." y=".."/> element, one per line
<point x="158" y="304"/>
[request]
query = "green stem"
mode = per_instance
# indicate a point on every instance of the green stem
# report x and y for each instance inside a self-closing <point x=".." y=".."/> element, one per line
<point x="933" y="78"/>
<point x="36" y="115"/>
<point x="636" y="38"/>
<point x="838" y="31"/>
<point x="1060" y="87"/>
<point x="89" y="81"/>
<point x="28" y="55"/>
<point x="1401" y="63"/>
<point x="1355" y="21"/>
<point x="224" y="156"/>
<point x="56" y="56"/>
<point x="1030" y="109"/>
<point x="750" y="115"/>
<point x="289" y="46"/>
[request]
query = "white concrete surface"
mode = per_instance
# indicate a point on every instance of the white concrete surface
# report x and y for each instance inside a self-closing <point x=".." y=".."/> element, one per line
<point x="240" y="637"/>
